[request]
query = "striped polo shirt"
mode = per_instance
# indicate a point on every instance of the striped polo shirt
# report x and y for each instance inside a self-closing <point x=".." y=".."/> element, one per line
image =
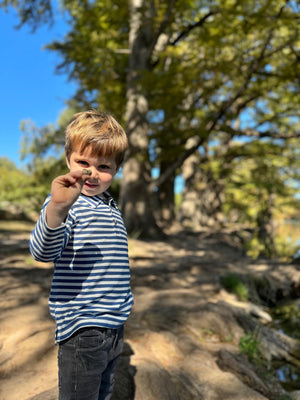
<point x="91" y="280"/>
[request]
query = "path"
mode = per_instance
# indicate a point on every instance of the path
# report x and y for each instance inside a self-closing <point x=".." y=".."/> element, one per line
<point x="180" y="331"/>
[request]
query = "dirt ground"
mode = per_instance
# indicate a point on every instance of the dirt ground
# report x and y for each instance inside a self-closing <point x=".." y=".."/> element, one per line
<point x="176" y="284"/>
<point x="28" y="355"/>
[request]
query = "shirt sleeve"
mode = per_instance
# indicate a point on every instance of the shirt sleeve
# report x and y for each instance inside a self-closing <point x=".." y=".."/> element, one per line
<point x="46" y="244"/>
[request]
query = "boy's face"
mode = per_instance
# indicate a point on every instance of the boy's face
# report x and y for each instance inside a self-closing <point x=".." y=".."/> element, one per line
<point x="103" y="170"/>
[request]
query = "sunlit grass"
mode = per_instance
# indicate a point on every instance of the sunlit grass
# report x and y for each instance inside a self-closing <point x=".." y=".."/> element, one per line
<point x="233" y="284"/>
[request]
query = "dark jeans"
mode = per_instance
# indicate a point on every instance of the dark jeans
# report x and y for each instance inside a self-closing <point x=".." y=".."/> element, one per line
<point x="86" y="364"/>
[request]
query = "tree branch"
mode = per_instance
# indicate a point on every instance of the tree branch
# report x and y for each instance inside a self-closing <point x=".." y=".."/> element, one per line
<point x="253" y="133"/>
<point x="252" y="69"/>
<point x="191" y="27"/>
<point x="176" y="164"/>
<point x="162" y="26"/>
<point x="34" y="13"/>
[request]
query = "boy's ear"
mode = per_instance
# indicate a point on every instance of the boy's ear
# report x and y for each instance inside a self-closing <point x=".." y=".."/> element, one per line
<point x="67" y="160"/>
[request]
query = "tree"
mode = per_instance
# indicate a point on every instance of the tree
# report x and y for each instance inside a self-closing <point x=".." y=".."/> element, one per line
<point x="136" y="197"/>
<point x="261" y="190"/>
<point x="16" y="187"/>
<point x="188" y="70"/>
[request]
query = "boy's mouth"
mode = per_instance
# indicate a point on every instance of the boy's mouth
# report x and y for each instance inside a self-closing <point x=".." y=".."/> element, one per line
<point x="90" y="185"/>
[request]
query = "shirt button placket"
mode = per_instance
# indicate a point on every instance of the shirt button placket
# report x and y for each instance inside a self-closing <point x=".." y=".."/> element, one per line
<point x="112" y="214"/>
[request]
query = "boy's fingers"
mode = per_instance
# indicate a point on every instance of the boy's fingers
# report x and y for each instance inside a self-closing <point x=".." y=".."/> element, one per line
<point x="81" y="175"/>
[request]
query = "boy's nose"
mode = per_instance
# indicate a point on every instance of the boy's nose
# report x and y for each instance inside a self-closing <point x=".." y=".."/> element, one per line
<point x="94" y="173"/>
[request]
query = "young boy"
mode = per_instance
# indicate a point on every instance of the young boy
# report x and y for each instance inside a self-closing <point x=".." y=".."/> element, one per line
<point x="81" y="230"/>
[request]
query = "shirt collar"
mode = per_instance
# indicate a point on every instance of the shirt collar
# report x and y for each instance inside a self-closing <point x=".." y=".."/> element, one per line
<point x="97" y="200"/>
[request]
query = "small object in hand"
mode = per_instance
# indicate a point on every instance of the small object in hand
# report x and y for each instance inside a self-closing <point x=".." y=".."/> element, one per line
<point x="86" y="171"/>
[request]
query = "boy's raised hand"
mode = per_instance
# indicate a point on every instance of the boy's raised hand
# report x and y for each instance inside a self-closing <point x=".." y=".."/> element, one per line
<point x="65" y="190"/>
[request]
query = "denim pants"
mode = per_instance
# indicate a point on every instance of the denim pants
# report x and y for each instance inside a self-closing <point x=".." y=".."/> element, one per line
<point x="86" y="364"/>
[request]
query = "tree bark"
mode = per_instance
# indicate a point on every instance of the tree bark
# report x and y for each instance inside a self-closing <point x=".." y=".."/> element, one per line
<point x="202" y="197"/>
<point x="166" y="197"/>
<point x="136" y="197"/>
<point x="266" y="227"/>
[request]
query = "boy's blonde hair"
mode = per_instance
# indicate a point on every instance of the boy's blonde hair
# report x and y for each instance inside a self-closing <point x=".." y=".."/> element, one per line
<point x="99" y="131"/>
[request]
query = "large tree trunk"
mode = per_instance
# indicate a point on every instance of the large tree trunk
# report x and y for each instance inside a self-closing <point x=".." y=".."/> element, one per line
<point x="266" y="227"/>
<point x="166" y="197"/>
<point x="137" y="201"/>
<point x="202" y="197"/>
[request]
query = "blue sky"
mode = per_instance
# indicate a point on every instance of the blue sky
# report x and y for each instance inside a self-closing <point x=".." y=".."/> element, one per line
<point x="30" y="88"/>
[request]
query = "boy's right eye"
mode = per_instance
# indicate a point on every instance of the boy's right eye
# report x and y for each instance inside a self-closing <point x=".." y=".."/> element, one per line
<point x="82" y="162"/>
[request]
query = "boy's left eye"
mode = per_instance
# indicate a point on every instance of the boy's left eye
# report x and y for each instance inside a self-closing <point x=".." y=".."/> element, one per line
<point x="103" y="166"/>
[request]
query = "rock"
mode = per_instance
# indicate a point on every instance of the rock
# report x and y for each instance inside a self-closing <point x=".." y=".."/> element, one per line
<point x="296" y="260"/>
<point x="154" y="382"/>
<point x="246" y="372"/>
<point x="51" y="394"/>
<point x="273" y="344"/>
<point x="295" y="395"/>
<point x="13" y="212"/>
<point x="259" y="313"/>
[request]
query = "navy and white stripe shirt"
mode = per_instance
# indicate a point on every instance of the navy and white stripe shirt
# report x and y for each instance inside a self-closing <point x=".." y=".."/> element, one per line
<point x="91" y="280"/>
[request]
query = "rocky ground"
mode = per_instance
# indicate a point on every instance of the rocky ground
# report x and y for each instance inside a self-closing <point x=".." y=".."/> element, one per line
<point x="182" y="338"/>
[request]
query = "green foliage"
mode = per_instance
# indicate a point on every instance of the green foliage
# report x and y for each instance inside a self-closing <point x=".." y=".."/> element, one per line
<point x="32" y="12"/>
<point x="260" y="189"/>
<point x="254" y="247"/>
<point x="94" y="53"/>
<point x="26" y="189"/>
<point x="15" y="184"/>
<point x="178" y="200"/>
<point x="233" y="284"/>
<point x="250" y="346"/>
